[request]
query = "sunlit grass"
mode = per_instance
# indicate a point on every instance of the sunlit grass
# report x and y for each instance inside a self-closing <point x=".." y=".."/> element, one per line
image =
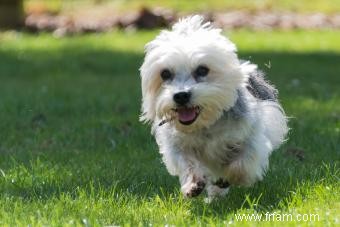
<point x="305" y="6"/>
<point x="72" y="151"/>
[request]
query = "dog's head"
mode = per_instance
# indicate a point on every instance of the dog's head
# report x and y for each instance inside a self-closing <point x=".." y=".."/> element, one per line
<point x="190" y="75"/>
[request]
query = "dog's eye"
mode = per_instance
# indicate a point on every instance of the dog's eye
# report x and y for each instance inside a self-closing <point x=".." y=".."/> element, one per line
<point x="201" y="71"/>
<point x="166" y="74"/>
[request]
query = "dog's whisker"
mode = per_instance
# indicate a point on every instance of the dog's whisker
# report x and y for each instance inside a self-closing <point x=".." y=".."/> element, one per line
<point x="166" y="120"/>
<point x="163" y="122"/>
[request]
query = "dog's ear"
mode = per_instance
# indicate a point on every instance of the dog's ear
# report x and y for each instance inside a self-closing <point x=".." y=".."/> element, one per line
<point x="150" y="82"/>
<point x="148" y="109"/>
<point x="148" y="112"/>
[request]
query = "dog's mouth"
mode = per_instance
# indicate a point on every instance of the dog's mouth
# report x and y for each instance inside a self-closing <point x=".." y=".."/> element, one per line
<point x="187" y="115"/>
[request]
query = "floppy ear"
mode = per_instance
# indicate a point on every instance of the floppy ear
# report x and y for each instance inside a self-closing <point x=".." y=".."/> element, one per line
<point x="148" y="111"/>
<point x="150" y="82"/>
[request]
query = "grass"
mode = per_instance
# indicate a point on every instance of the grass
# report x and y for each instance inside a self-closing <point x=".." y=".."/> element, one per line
<point x="304" y="6"/>
<point x="72" y="151"/>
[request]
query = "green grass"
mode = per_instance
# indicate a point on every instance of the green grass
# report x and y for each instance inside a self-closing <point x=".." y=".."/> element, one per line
<point x="72" y="151"/>
<point x="225" y="5"/>
<point x="305" y="6"/>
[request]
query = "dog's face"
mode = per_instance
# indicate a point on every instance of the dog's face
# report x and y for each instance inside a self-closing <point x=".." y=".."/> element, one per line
<point x="189" y="76"/>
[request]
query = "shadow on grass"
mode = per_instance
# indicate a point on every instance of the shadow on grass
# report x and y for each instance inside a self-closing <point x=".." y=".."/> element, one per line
<point x="129" y="169"/>
<point x="312" y="75"/>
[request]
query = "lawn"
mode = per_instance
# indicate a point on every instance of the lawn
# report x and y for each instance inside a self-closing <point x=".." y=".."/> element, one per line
<point x="303" y="6"/>
<point x="72" y="151"/>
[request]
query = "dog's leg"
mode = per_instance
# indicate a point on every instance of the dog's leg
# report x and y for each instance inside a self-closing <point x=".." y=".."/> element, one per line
<point x="251" y="165"/>
<point x="217" y="189"/>
<point x="188" y="169"/>
<point x="192" y="182"/>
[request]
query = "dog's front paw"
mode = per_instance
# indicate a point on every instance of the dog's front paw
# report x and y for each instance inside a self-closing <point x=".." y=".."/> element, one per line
<point x="193" y="189"/>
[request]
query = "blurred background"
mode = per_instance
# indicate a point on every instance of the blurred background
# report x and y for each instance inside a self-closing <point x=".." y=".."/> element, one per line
<point x="80" y="16"/>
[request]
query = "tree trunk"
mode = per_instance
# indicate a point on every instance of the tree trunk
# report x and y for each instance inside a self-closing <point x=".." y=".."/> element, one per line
<point x="11" y="13"/>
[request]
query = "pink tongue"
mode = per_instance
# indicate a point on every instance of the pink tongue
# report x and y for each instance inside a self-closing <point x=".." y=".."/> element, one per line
<point x="186" y="114"/>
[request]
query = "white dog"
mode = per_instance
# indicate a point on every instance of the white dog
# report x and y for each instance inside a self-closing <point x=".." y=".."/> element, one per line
<point x="215" y="119"/>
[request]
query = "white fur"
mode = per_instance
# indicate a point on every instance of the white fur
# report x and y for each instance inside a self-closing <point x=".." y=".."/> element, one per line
<point x="201" y="152"/>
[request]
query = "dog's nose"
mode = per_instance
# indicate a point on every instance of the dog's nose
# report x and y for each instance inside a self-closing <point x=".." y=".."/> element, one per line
<point x="182" y="97"/>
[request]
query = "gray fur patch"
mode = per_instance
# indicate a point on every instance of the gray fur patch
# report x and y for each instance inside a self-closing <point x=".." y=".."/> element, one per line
<point x="232" y="152"/>
<point x="240" y="109"/>
<point x="260" y="88"/>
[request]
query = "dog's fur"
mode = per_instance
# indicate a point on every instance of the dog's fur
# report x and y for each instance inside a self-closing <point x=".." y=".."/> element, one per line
<point x="240" y="120"/>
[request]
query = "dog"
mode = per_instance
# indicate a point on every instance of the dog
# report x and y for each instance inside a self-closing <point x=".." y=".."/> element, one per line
<point x="215" y="118"/>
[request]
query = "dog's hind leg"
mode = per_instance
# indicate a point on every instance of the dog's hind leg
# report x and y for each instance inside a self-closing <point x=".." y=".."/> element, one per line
<point x="217" y="189"/>
<point x="252" y="164"/>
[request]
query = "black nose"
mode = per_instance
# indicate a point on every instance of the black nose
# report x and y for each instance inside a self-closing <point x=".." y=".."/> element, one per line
<point x="182" y="98"/>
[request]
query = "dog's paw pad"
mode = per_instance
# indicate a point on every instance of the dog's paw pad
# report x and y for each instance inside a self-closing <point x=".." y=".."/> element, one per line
<point x="196" y="189"/>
